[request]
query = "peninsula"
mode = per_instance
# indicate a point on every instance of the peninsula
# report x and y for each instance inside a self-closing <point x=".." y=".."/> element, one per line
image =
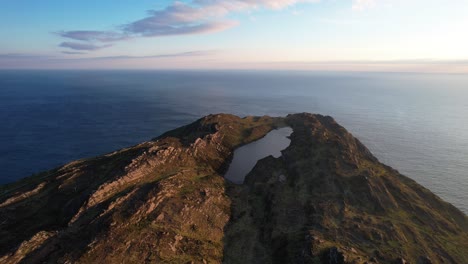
<point x="325" y="199"/>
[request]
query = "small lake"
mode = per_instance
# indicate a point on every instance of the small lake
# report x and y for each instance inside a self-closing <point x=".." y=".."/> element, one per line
<point x="247" y="156"/>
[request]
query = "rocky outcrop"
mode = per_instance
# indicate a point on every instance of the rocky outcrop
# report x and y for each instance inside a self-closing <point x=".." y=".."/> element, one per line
<point x="327" y="199"/>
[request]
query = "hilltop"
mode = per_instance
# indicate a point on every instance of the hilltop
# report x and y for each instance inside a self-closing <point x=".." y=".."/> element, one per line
<point x="327" y="199"/>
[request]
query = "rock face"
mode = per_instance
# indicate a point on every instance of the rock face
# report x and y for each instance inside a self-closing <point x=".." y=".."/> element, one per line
<point x="327" y="199"/>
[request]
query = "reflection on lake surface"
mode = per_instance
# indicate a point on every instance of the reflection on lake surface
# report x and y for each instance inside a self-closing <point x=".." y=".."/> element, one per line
<point x="247" y="156"/>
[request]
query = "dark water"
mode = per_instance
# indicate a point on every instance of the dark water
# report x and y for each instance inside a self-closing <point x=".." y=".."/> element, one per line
<point x="416" y="123"/>
<point x="247" y="156"/>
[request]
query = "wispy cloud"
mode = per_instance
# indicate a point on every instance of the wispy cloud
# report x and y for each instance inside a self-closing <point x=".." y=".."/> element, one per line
<point x="385" y="62"/>
<point x="19" y="60"/>
<point x="82" y="46"/>
<point x="73" y="52"/>
<point x="208" y="60"/>
<point x="201" y="16"/>
<point x="89" y="35"/>
<point x="179" y="18"/>
<point x="360" y="5"/>
<point x="22" y="56"/>
<point x="415" y="65"/>
<point x="167" y="55"/>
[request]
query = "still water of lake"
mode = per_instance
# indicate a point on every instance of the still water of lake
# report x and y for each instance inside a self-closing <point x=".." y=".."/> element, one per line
<point x="246" y="157"/>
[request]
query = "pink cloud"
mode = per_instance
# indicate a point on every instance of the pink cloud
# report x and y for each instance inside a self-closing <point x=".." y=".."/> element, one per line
<point x="197" y="17"/>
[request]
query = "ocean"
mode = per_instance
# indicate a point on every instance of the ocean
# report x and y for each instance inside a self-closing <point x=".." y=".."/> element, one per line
<point x="416" y="123"/>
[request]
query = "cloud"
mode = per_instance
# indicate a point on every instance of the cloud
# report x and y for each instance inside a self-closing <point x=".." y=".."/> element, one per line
<point x="385" y="62"/>
<point x="179" y="18"/>
<point x="201" y="16"/>
<point x="42" y="61"/>
<point x="82" y="46"/>
<point x="90" y="35"/>
<point x="184" y="54"/>
<point x="201" y="60"/>
<point x="167" y="55"/>
<point x="146" y="29"/>
<point x="73" y="52"/>
<point x="359" y="5"/>
<point x="24" y="56"/>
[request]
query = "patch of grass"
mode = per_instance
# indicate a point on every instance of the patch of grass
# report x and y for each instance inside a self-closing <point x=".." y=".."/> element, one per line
<point x="187" y="190"/>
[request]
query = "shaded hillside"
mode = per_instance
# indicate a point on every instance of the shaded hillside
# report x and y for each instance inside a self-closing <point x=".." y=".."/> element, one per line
<point x="327" y="199"/>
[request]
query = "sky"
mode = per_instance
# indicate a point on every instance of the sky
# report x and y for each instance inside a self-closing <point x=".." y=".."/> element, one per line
<point x="336" y="35"/>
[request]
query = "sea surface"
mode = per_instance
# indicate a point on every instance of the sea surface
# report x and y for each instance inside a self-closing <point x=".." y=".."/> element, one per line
<point x="416" y="123"/>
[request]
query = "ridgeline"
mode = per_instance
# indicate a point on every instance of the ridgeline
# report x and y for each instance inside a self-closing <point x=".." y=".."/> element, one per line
<point x="327" y="199"/>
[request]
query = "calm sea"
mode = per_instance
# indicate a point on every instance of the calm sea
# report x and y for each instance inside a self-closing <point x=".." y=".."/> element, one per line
<point x="416" y="123"/>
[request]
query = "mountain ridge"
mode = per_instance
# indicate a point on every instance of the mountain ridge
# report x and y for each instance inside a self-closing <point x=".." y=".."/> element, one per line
<point x="327" y="199"/>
